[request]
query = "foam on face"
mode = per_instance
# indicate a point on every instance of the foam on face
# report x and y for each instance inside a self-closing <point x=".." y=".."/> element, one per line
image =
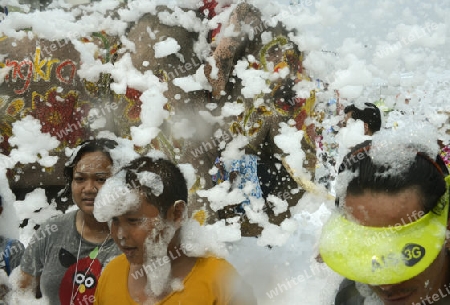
<point x="115" y="198"/>
<point x="398" y="148"/>
<point x="156" y="244"/>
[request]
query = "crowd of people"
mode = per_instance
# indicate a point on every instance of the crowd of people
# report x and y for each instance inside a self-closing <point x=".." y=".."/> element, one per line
<point x="394" y="221"/>
<point x="388" y="236"/>
<point x="65" y="266"/>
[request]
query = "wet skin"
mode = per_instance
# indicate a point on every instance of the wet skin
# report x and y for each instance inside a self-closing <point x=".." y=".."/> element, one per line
<point x="89" y="175"/>
<point x="382" y="210"/>
<point x="131" y="230"/>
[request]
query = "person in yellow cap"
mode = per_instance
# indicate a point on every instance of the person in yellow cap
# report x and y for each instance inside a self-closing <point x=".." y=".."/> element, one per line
<point x="389" y="233"/>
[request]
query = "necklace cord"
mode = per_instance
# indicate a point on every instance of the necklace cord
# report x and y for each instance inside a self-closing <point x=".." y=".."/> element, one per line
<point x="74" y="294"/>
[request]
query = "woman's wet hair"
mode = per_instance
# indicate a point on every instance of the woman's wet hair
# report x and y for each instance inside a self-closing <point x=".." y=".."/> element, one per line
<point x="174" y="183"/>
<point x="370" y="114"/>
<point x="101" y="145"/>
<point x="425" y="174"/>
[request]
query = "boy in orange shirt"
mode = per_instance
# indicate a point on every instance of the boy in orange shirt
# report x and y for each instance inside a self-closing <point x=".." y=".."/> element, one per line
<point x="146" y="203"/>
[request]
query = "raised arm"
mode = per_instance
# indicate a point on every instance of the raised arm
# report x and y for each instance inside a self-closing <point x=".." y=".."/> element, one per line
<point x="229" y="47"/>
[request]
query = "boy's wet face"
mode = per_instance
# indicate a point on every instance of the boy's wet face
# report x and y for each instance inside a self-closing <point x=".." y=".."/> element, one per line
<point x="384" y="210"/>
<point x="132" y="230"/>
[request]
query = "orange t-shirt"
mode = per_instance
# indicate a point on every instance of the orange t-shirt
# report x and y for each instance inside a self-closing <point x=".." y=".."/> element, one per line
<point x="211" y="281"/>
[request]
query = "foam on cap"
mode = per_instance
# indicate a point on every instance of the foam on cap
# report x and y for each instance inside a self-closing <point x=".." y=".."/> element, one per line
<point x="398" y="147"/>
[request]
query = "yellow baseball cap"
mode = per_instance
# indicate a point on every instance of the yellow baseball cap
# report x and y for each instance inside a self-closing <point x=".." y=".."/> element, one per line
<point x="383" y="255"/>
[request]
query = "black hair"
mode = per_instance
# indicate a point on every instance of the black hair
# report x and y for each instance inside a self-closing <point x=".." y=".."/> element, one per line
<point x="370" y="115"/>
<point x="174" y="183"/>
<point x="88" y="146"/>
<point x="424" y="173"/>
<point x="4" y="10"/>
